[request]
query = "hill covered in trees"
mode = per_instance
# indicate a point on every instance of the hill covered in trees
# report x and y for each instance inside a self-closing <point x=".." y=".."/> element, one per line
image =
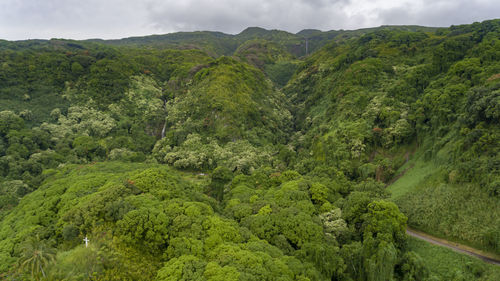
<point x="208" y="156"/>
<point x="219" y="44"/>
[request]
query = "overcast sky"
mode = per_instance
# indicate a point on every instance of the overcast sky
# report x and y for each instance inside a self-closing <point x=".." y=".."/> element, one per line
<point x="82" y="19"/>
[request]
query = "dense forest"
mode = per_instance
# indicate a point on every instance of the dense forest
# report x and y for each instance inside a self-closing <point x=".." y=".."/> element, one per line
<point x="208" y="156"/>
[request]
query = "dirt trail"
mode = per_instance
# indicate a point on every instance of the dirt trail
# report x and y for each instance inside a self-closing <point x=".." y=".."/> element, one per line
<point x="454" y="246"/>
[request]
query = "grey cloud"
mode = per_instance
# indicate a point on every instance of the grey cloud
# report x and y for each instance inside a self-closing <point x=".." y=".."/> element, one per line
<point x="442" y="13"/>
<point x="79" y="19"/>
<point x="23" y="19"/>
<point x="233" y="16"/>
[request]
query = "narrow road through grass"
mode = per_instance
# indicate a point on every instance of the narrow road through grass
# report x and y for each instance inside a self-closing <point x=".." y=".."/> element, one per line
<point x="489" y="258"/>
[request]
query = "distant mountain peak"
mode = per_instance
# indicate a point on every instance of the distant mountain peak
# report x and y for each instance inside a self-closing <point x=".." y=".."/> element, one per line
<point x="253" y="30"/>
<point x="308" y="32"/>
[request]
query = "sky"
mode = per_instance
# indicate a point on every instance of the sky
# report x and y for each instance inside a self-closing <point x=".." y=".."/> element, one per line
<point x="113" y="19"/>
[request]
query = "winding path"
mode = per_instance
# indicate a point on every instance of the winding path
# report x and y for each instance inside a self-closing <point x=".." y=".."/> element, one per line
<point x="454" y="246"/>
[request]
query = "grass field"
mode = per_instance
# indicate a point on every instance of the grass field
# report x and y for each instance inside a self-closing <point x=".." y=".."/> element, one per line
<point x="446" y="264"/>
<point x="415" y="171"/>
<point x="460" y="212"/>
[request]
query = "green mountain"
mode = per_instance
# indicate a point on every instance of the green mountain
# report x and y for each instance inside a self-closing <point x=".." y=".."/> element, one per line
<point x="213" y="43"/>
<point x="369" y="106"/>
<point x="208" y="156"/>
<point x="276" y="62"/>
<point x="220" y="44"/>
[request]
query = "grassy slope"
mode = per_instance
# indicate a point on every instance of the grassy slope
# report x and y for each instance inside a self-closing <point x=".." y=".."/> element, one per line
<point x="345" y="103"/>
<point x="460" y="212"/>
<point x="445" y="264"/>
<point x="412" y="174"/>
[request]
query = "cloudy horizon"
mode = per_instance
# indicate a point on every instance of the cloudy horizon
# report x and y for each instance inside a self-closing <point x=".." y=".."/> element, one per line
<point x="113" y="19"/>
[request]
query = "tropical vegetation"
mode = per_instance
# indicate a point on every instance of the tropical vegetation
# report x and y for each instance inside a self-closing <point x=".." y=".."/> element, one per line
<point x="208" y="156"/>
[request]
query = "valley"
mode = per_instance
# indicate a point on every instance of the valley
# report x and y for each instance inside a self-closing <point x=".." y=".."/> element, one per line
<point x="211" y="156"/>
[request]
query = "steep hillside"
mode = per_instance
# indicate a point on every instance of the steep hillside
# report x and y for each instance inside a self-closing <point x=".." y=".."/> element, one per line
<point x="369" y="105"/>
<point x="278" y="64"/>
<point x="213" y="43"/>
<point x="120" y="102"/>
<point x="228" y="106"/>
<point x="39" y="76"/>
<point x="73" y="103"/>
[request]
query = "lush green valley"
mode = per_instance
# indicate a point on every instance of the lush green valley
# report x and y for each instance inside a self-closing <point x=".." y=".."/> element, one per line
<point x="208" y="156"/>
<point x="368" y="108"/>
